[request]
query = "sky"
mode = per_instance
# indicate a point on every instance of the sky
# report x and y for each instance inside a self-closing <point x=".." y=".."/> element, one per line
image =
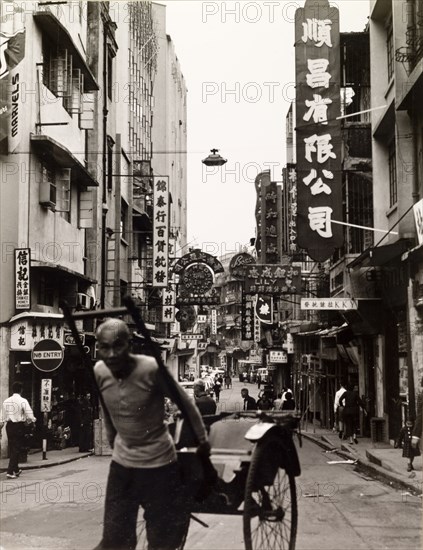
<point x="238" y="62"/>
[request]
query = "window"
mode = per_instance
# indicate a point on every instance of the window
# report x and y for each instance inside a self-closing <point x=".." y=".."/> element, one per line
<point x="123" y="290"/>
<point x="390" y="50"/>
<point x="109" y="76"/>
<point x="61" y="78"/>
<point x="55" y="190"/>
<point x="392" y="163"/>
<point x="46" y="291"/>
<point x="123" y="218"/>
<point x="110" y="144"/>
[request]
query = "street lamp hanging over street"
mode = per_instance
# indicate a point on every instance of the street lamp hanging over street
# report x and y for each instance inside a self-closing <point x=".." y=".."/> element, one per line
<point x="214" y="159"/>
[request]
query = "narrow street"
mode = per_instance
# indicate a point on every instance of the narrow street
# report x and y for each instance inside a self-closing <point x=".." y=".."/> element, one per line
<point x="338" y="507"/>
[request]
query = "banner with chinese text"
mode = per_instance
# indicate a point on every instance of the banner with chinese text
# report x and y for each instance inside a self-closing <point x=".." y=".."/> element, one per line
<point x="318" y="132"/>
<point x="247" y="317"/>
<point x="22" y="278"/>
<point x="161" y="231"/>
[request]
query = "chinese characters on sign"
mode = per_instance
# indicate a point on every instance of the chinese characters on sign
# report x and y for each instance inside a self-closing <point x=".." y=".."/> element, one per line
<point x="270" y="219"/>
<point x="191" y="337"/>
<point x="264" y="309"/>
<point x="318" y="133"/>
<point x="46" y="395"/>
<point x="273" y="279"/>
<point x="213" y="321"/>
<point x="247" y="317"/>
<point x="24" y="334"/>
<point x="329" y="303"/>
<point x="168" y="305"/>
<point x="278" y="356"/>
<point x="22" y="278"/>
<point x="291" y="182"/>
<point x="161" y="231"/>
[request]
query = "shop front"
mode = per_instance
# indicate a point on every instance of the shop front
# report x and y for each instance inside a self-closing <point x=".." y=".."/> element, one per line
<point x="45" y="359"/>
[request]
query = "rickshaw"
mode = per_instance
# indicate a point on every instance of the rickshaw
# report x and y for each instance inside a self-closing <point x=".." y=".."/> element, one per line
<point x="257" y="463"/>
<point x="253" y="462"/>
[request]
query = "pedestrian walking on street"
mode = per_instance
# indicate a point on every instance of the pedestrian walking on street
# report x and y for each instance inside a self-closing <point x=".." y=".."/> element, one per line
<point x="85" y="417"/>
<point x="258" y="381"/>
<point x="206" y="404"/>
<point x="143" y="470"/>
<point x="264" y="403"/>
<point x="217" y="389"/>
<point x="289" y="403"/>
<point x="404" y="441"/>
<point x="228" y="381"/>
<point x="351" y="403"/>
<point x="277" y="403"/>
<point x="339" y="425"/>
<point x="249" y="402"/>
<point x="16" y="413"/>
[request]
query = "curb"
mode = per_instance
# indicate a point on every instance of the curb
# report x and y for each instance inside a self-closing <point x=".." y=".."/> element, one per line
<point x="378" y="472"/>
<point x="48" y="463"/>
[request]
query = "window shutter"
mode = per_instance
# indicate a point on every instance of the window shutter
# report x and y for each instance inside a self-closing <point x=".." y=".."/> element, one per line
<point x="58" y="73"/>
<point x="86" y="209"/>
<point x="86" y="118"/>
<point x="63" y="184"/>
<point x="47" y="190"/>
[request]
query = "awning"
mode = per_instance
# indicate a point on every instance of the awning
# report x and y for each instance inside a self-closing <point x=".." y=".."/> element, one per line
<point x="380" y="255"/>
<point x="35" y="315"/>
<point x="62" y="270"/>
<point x="413" y="89"/>
<point x="183" y="352"/>
<point x="48" y="148"/>
<point x="58" y="34"/>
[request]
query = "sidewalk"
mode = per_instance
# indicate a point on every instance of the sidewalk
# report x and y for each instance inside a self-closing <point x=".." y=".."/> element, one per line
<point x="35" y="460"/>
<point x="378" y="459"/>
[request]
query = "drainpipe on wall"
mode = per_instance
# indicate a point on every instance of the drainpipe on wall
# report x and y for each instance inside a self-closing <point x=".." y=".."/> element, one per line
<point x="104" y="167"/>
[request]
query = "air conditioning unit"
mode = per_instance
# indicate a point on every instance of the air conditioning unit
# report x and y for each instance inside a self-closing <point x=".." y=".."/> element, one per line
<point x="83" y="301"/>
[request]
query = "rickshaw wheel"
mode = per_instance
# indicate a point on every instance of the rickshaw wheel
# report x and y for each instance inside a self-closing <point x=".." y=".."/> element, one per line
<point x="142" y="543"/>
<point x="270" y="503"/>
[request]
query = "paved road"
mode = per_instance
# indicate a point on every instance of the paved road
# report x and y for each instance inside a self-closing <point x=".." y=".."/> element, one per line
<point x="61" y="507"/>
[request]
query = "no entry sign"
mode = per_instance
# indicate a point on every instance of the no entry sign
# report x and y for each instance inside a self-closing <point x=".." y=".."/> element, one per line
<point x="47" y="355"/>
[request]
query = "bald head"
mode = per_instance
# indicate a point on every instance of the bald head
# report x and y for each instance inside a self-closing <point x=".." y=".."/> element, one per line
<point x="113" y="344"/>
<point x="116" y="326"/>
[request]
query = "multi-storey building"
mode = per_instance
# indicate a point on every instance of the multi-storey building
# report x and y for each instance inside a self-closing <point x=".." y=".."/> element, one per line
<point x="393" y="261"/>
<point x="76" y="189"/>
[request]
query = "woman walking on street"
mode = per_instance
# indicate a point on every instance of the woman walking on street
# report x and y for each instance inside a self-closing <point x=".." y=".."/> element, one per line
<point x="351" y="403"/>
<point x="404" y="441"/>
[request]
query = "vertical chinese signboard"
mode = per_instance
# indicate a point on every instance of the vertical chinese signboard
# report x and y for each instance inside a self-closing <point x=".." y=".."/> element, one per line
<point x="247" y="317"/>
<point x="271" y="213"/>
<point x="46" y="395"/>
<point x="291" y="180"/>
<point x="168" y="305"/>
<point x="161" y="232"/>
<point x="318" y="133"/>
<point x="213" y="321"/>
<point x="22" y="278"/>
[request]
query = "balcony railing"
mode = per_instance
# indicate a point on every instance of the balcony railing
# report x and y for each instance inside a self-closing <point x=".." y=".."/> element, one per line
<point x="412" y="53"/>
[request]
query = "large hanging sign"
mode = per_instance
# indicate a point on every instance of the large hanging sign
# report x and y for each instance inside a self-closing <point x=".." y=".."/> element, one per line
<point x="238" y="264"/>
<point x="22" y="278"/>
<point x="12" y="53"/>
<point x="25" y="333"/>
<point x="344" y="304"/>
<point x="318" y="133"/>
<point x="196" y="279"/>
<point x="213" y="321"/>
<point x="273" y="279"/>
<point x="197" y="256"/>
<point x="161" y="231"/>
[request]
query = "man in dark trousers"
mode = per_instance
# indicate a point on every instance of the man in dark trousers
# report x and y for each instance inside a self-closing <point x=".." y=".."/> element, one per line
<point x="206" y="404"/>
<point x="249" y="402"/>
<point x="143" y="470"/>
<point x="15" y="413"/>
